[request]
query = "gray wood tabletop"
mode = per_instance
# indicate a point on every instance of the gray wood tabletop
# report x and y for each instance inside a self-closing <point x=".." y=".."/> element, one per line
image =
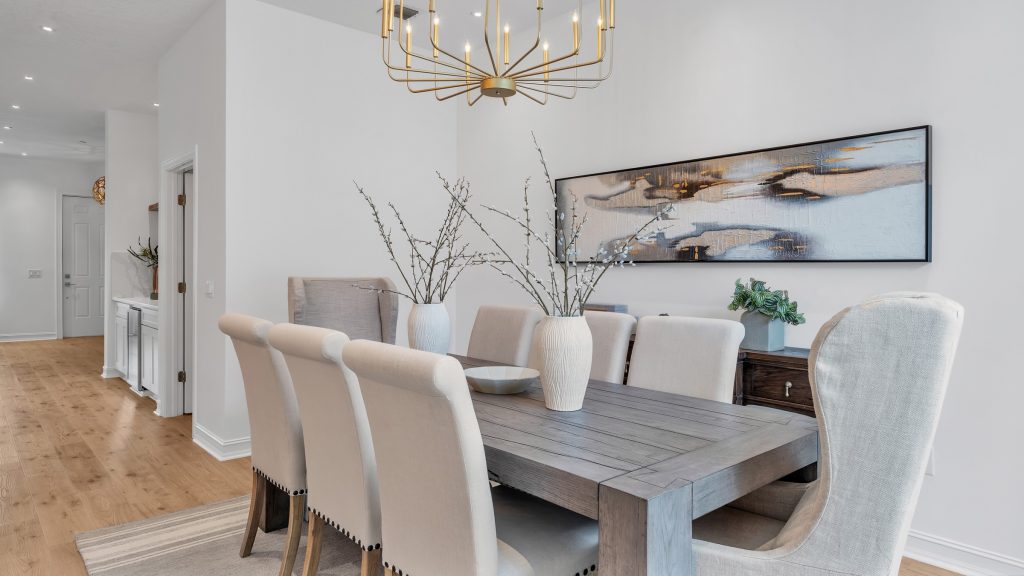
<point x="643" y="463"/>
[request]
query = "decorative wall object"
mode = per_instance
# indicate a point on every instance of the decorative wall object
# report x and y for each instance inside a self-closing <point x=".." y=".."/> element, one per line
<point x="99" y="190"/>
<point x="856" y="199"/>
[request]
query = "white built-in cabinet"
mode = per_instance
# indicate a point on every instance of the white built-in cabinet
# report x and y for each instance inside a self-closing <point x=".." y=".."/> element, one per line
<point x="136" y="348"/>
<point x="121" y="338"/>
<point x="149" y="353"/>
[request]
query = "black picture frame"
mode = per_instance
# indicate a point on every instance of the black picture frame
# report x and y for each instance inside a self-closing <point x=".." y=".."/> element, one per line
<point x="927" y="202"/>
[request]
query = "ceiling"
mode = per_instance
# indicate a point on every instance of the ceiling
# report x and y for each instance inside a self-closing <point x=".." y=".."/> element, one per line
<point x="102" y="54"/>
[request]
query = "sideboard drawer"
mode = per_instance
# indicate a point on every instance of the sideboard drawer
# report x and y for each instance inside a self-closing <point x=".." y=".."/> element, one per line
<point x="781" y="384"/>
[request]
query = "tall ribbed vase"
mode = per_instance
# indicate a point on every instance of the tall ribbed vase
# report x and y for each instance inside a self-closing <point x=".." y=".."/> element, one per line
<point x="563" y="348"/>
<point x="429" y="328"/>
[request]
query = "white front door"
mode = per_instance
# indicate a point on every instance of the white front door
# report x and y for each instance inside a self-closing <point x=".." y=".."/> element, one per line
<point x="82" y="267"/>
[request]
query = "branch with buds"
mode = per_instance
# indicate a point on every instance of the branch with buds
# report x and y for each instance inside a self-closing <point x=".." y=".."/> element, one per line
<point x="433" y="264"/>
<point x="566" y="283"/>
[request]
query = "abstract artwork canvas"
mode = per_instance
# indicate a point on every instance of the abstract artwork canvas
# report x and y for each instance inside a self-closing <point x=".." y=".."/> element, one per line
<point x="855" y="199"/>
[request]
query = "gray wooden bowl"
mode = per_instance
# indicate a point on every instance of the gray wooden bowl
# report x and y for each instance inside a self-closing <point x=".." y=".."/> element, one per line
<point x="501" y="379"/>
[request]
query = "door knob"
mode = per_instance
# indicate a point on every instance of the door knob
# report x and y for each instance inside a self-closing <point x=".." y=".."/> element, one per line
<point x="68" y="284"/>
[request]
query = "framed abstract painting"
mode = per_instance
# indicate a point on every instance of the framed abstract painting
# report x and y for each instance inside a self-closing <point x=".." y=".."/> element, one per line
<point x="861" y="198"/>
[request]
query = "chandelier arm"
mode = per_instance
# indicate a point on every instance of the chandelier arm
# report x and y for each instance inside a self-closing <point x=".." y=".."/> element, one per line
<point x="527" y="72"/>
<point x="574" y="52"/>
<point x="459" y="93"/>
<point x="540" y="10"/>
<point x="483" y="74"/>
<point x="473" y="101"/>
<point x="539" y="83"/>
<point x="387" y="62"/>
<point x="462" y="74"/>
<point x="536" y="100"/>
<point x="446" y="87"/>
<point x="551" y="93"/>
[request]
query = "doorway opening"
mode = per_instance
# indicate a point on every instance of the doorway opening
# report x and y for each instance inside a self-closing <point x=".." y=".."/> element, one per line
<point x="81" y="262"/>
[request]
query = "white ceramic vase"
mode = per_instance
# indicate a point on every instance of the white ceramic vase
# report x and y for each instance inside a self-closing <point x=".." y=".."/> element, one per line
<point x="562" y="352"/>
<point x="429" y="328"/>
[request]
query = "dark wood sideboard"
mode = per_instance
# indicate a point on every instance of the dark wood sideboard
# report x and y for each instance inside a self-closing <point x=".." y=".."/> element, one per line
<point x="774" y="379"/>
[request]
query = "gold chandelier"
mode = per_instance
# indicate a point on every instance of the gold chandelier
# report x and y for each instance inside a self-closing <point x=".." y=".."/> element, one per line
<point x="448" y="76"/>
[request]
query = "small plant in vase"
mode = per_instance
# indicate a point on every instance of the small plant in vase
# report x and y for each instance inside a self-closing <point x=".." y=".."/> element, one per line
<point x="150" y="256"/>
<point x="428" y="270"/>
<point x="765" y="312"/>
<point x="554" y="275"/>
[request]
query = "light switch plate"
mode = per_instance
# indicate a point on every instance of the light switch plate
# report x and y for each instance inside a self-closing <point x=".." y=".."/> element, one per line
<point x="210" y="291"/>
<point x="34" y="273"/>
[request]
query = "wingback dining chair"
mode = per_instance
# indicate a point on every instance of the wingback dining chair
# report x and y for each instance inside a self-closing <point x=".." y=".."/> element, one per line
<point x="879" y="372"/>
<point x="689" y="356"/>
<point x="341" y="468"/>
<point x="362" y="308"/>
<point x="503" y="334"/>
<point x="439" y="513"/>
<point x="611" y="332"/>
<point x="278" y="454"/>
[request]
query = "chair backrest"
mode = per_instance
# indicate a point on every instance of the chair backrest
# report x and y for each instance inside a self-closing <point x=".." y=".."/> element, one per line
<point x="689" y="356"/>
<point x="362" y="308"/>
<point x="436" y="507"/>
<point x="879" y="375"/>
<point x="503" y="334"/>
<point x="611" y="332"/>
<point x="341" y="469"/>
<point x="274" y="425"/>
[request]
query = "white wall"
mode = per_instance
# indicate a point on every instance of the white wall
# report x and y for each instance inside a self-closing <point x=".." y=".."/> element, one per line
<point x="279" y="144"/>
<point x="704" y="78"/>
<point x="192" y="122"/>
<point x="132" y="185"/>
<point x="30" y="198"/>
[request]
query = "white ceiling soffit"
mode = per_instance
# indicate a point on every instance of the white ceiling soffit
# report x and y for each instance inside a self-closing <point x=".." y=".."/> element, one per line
<point x="102" y="54"/>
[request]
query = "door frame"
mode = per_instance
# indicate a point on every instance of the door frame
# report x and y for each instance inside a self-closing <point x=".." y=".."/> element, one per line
<point x="58" y="264"/>
<point x="171" y="400"/>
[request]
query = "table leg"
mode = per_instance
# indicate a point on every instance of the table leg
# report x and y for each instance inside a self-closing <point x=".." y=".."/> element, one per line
<point x="644" y="530"/>
<point x="275" y="509"/>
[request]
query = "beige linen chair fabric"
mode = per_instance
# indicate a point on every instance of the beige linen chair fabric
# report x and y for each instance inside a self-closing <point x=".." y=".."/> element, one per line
<point x="278" y="453"/>
<point x="879" y="372"/>
<point x="438" y="511"/>
<point x="689" y="356"/>
<point x="341" y="467"/>
<point x="611" y="332"/>
<point x="503" y="334"/>
<point x="338" y="304"/>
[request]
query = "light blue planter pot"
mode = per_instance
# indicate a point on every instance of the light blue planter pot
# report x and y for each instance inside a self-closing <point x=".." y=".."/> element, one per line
<point x="763" y="333"/>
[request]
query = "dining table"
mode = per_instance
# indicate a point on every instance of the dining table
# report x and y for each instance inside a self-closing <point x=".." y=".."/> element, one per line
<point x="645" y="464"/>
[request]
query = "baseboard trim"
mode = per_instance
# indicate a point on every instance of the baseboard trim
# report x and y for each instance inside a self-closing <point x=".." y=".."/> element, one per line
<point x="962" y="558"/>
<point x="28" y="337"/>
<point x="222" y="450"/>
<point x="109" y="373"/>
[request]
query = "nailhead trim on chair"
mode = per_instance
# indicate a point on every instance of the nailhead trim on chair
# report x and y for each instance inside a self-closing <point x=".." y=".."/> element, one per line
<point x="277" y="484"/>
<point x="585" y="572"/>
<point x="343" y="531"/>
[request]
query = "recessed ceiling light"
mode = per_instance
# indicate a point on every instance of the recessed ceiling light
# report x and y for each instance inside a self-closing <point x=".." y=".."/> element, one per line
<point x="478" y="14"/>
<point x="15" y="107"/>
<point x="29" y="78"/>
<point x="24" y="153"/>
<point x="47" y="28"/>
<point x="156" y="104"/>
<point x="7" y="127"/>
<point x="1" y="141"/>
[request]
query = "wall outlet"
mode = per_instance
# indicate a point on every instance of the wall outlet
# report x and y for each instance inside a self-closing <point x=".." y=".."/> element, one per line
<point x="929" y="469"/>
<point x="34" y="273"/>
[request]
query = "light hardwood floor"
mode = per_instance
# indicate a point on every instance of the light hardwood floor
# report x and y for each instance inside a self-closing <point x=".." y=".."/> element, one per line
<point x="78" y="452"/>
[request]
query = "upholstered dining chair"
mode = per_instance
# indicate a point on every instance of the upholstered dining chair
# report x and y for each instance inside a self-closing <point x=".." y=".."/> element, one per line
<point x="503" y="334"/>
<point x="689" y="356"/>
<point x="362" y="308"/>
<point x="341" y="469"/>
<point x="278" y="454"/>
<point x="439" y="513"/>
<point x="611" y="332"/>
<point x="879" y="372"/>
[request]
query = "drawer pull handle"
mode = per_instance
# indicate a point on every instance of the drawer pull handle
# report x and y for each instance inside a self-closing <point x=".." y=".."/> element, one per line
<point x="788" y="386"/>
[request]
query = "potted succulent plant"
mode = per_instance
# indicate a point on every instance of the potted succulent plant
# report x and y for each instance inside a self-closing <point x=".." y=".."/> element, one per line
<point x="765" y="313"/>
<point x="561" y="281"/>
<point x="150" y="256"/>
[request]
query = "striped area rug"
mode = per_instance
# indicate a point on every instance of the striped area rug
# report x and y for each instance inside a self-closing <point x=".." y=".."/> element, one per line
<point x="201" y="541"/>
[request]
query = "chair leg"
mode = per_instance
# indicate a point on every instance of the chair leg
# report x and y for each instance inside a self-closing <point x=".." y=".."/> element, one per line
<point x="296" y="504"/>
<point x="314" y="543"/>
<point x="370" y="563"/>
<point x="259" y="491"/>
